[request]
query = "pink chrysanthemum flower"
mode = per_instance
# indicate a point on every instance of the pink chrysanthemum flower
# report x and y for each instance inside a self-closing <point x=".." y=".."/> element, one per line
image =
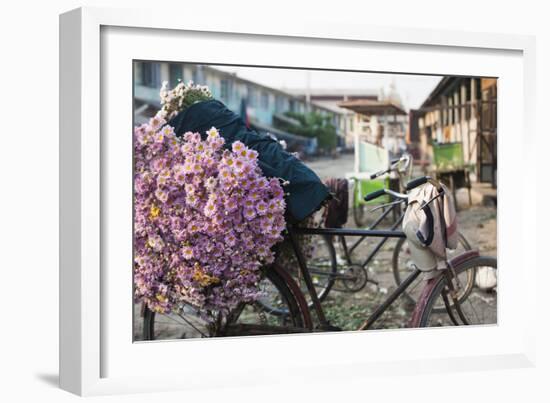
<point x="261" y="207"/>
<point x="237" y="147"/>
<point x="187" y="252"/>
<point x="210" y="209"/>
<point x="249" y="213"/>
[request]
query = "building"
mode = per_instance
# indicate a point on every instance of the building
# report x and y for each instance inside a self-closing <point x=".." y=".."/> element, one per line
<point x="263" y="105"/>
<point x="459" y="110"/>
<point x="380" y="122"/>
<point x="367" y="115"/>
<point x="351" y="124"/>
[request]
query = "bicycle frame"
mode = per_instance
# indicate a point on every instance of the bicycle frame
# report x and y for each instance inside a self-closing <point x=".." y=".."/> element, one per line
<point x="364" y="233"/>
<point x="393" y="208"/>
<point x="349" y="251"/>
<point x="293" y="231"/>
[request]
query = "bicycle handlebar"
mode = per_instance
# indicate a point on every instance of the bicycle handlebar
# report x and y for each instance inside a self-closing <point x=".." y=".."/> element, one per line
<point x="416" y="182"/>
<point x="381" y="192"/>
<point x="379" y="173"/>
<point x="410" y="185"/>
<point x="374" y="195"/>
<point x="393" y="166"/>
<point x="422" y="180"/>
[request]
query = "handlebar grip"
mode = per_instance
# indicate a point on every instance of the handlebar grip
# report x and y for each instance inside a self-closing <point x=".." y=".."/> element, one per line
<point x="395" y="161"/>
<point x="375" y="195"/>
<point x="416" y="182"/>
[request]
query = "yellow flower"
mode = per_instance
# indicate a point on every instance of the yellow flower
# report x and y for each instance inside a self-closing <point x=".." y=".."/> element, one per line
<point x="158" y="309"/>
<point x="155" y="211"/>
<point x="204" y="279"/>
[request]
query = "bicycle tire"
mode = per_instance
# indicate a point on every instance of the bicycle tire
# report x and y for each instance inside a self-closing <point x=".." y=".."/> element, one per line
<point x="295" y="314"/>
<point x="332" y="273"/>
<point x="359" y="209"/>
<point x="428" y="314"/>
<point x="397" y="267"/>
<point x="295" y="272"/>
<point x="359" y="215"/>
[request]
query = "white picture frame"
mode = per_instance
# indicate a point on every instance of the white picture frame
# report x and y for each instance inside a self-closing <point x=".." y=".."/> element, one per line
<point x="97" y="355"/>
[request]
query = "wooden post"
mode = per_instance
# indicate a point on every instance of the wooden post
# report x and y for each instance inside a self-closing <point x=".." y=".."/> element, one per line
<point x="395" y="146"/>
<point x="386" y="128"/>
<point x="457" y="114"/>
<point x="464" y="123"/>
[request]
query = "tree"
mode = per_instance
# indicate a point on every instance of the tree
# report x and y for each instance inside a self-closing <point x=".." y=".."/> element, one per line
<point x="313" y="125"/>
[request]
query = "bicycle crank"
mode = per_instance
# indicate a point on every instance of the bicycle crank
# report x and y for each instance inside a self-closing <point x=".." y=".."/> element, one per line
<point x="354" y="277"/>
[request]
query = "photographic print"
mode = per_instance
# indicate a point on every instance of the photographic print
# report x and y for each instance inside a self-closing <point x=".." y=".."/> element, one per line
<point x="272" y="200"/>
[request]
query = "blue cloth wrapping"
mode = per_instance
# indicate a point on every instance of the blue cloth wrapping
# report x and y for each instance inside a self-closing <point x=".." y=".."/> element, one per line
<point x="306" y="191"/>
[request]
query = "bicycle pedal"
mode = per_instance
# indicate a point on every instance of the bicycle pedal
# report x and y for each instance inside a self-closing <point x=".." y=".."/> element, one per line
<point x="375" y="282"/>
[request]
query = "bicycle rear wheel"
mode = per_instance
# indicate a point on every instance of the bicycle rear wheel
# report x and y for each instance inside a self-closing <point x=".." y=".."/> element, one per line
<point x="247" y="319"/>
<point x="478" y="308"/>
<point x="318" y="251"/>
<point x="321" y="264"/>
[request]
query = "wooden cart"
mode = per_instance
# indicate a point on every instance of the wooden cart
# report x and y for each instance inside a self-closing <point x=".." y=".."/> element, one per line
<point x="450" y="167"/>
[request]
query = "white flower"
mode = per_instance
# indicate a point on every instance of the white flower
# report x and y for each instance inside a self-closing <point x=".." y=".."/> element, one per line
<point x="173" y="100"/>
<point x="211" y="183"/>
<point x="213" y="132"/>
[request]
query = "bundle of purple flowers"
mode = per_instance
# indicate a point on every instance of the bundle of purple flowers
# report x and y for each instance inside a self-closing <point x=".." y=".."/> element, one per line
<point x="205" y="220"/>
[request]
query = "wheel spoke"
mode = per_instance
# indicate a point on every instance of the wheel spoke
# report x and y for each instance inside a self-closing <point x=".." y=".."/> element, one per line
<point x="171" y="319"/>
<point x="471" y="306"/>
<point x="193" y="326"/>
<point x="474" y="310"/>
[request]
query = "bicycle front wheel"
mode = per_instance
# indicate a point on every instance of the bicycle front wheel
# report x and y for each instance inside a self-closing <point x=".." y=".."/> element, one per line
<point x="402" y="265"/>
<point x="478" y="308"/>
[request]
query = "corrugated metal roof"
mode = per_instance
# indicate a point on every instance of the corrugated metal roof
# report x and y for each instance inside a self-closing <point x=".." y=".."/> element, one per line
<point x="340" y="92"/>
<point x="371" y="107"/>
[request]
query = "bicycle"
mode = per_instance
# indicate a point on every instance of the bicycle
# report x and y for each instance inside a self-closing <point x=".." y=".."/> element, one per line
<point x="401" y="260"/>
<point x="323" y="262"/>
<point x="398" y="172"/>
<point x="252" y="318"/>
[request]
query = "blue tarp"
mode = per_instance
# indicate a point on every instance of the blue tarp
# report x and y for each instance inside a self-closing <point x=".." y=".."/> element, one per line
<point x="306" y="191"/>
